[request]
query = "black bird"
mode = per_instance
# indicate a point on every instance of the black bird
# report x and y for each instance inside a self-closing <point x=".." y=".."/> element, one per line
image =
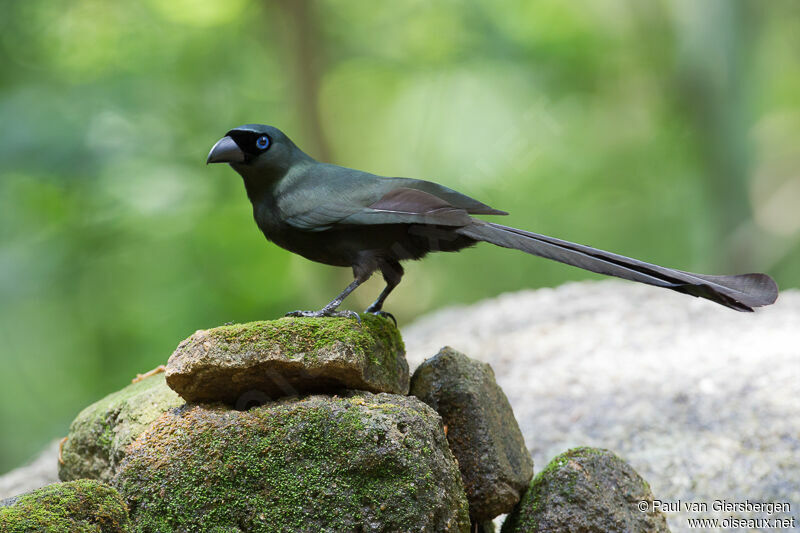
<point x="345" y="217"/>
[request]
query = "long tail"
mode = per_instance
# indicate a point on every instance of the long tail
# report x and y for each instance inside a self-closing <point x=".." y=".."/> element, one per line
<point x="742" y="292"/>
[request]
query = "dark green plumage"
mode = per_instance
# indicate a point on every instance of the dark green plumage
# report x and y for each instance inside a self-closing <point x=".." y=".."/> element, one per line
<point x="345" y="217"/>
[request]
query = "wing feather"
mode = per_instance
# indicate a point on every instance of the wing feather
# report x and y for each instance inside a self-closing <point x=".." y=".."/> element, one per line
<point x="399" y="205"/>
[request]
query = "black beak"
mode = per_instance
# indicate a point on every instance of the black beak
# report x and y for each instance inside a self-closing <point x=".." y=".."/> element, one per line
<point x="225" y="151"/>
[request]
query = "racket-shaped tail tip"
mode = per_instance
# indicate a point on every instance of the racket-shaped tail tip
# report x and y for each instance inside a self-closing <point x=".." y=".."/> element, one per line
<point x="765" y="290"/>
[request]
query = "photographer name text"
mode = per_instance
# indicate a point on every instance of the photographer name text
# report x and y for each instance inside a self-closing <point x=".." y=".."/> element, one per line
<point x="726" y="506"/>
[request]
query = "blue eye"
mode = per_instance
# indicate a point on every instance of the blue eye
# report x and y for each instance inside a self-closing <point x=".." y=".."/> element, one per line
<point x="262" y="142"/>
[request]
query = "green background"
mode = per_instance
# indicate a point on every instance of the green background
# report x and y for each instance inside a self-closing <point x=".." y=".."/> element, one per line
<point x="665" y="130"/>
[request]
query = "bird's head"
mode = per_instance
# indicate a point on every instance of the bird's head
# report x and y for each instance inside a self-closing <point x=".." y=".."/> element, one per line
<point x="257" y="152"/>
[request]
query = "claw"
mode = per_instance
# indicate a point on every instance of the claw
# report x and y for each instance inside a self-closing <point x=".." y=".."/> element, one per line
<point x="384" y="314"/>
<point x="354" y="315"/>
<point x="325" y="313"/>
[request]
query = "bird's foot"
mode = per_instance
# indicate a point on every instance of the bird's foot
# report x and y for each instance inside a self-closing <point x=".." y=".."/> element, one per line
<point x="384" y="314"/>
<point x="324" y="312"/>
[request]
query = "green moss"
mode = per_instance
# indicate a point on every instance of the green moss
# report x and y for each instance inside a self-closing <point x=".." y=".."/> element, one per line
<point x="100" y="433"/>
<point x="106" y="438"/>
<point x="308" y="335"/>
<point x="309" y="354"/>
<point x="73" y="507"/>
<point x="318" y="464"/>
<point x="525" y="516"/>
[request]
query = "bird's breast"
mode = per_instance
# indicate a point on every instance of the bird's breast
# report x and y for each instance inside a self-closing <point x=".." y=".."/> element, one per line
<point x="313" y="245"/>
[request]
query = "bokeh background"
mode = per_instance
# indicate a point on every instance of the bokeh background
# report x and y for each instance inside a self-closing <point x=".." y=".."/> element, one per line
<point x="666" y="130"/>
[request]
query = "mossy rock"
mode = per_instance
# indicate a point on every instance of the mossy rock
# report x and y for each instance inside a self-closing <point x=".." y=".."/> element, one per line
<point x="363" y="462"/>
<point x="246" y="364"/>
<point x="101" y="433"/>
<point x="484" y="436"/>
<point x="590" y="490"/>
<point x="81" y="506"/>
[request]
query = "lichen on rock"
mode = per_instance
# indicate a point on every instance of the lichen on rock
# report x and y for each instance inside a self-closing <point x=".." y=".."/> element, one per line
<point x="586" y="489"/>
<point x="289" y="357"/>
<point x="361" y="462"/>
<point x="100" y="434"/>
<point x="83" y="506"/>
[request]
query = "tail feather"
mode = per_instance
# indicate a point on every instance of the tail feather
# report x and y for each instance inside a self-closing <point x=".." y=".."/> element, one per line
<point x="741" y="292"/>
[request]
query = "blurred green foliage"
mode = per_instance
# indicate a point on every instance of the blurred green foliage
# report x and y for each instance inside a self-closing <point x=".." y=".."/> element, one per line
<point x="666" y="130"/>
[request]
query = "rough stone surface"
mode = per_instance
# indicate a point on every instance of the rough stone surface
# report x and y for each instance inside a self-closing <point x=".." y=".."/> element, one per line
<point x="681" y="387"/>
<point x="481" y="430"/>
<point x="42" y="471"/>
<point x="588" y="490"/>
<point x="99" y="436"/>
<point x="82" y="506"/>
<point x="365" y="462"/>
<point x="244" y="364"/>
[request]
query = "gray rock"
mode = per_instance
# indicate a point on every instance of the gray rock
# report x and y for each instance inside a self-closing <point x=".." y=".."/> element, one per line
<point x="246" y="364"/>
<point x="587" y="490"/>
<point x="42" y="471"/>
<point x="481" y="429"/>
<point x="364" y="462"/>
<point x="99" y="436"/>
<point x="681" y="387"/>
<point x="77" y="506"/>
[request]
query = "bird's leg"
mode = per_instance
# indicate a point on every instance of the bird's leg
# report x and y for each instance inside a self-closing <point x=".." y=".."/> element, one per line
<point x="331" y="308"/>
<point x="375" y="308"/>
<point x="392" y="273"/>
